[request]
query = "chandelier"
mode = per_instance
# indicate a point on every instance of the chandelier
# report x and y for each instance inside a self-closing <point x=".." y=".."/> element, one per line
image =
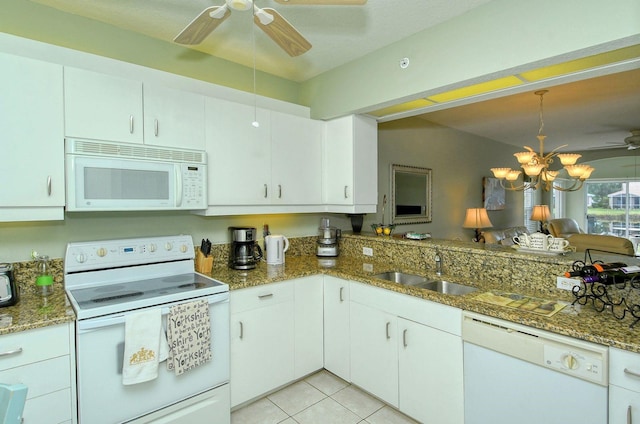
<point x="536" y="166"/>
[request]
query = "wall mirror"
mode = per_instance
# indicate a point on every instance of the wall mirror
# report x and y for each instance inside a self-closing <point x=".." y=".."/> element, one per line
<point x="410" y="194"/>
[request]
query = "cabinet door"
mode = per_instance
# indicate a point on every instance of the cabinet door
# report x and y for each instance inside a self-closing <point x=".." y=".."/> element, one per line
<point x="262" y="349"/>
<point x="239" y="154"/>
<point x="308" y="326"/>
<point x="374" y="352"/>
<point x="296" y="158"/>
<point x="430" y="374"/>
<point x="173" y="118"/>
<point x="32" y="136"/>
<point x="624" y="406"/>
<point x="102" y="107"/>
<point x="336" y="327"/>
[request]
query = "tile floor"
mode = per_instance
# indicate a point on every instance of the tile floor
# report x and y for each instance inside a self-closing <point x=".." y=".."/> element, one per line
<point x="321" y="398"/>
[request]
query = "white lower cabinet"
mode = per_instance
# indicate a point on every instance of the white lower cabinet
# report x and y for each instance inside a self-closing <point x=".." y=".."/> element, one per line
<point x="624" y="387"/>
<point x="276" y="336"/>
<point x="336" y="327"/>
<point x="41" y="359"/>
<point x="408" y="352"/>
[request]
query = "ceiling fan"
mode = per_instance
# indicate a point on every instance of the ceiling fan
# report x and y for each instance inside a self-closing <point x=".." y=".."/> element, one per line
<point x="631" y="142"/>
<point x="268" y="19"/>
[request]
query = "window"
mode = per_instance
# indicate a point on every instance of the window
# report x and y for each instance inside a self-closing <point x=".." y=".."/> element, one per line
<point x="529" y="201"/>
<point x="613" y="207"/>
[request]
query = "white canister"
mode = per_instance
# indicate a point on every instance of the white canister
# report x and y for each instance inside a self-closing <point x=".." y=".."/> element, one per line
<point x="276" y="246"/>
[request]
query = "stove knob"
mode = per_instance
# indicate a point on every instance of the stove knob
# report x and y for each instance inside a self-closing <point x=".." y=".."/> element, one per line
<point x="153" y="247"/>
<point x="183" y="248"/>
<point x="168" y="245"/>
<point x="81" y="258"/>
<point x="570" y="361"/>
<point x="102" y="252"/>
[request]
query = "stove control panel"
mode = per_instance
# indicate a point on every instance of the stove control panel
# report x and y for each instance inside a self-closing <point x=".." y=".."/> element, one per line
<point x="103" y="254"/>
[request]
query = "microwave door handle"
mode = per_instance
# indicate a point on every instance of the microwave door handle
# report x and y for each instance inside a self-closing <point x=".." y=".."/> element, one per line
<point x="178" y="186"/>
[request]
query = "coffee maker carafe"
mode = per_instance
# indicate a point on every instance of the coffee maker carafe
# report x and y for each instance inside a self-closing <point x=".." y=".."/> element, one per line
<point x="244" y="252"/>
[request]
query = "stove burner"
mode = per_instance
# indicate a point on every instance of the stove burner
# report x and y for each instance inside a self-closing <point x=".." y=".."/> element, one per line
<point x="177" y="278"/>
<point x="118" y="296"/>
<point x="192" y="286"/>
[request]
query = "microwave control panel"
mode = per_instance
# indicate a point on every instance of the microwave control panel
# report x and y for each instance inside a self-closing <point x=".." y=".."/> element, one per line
<point x="194" y="186"/>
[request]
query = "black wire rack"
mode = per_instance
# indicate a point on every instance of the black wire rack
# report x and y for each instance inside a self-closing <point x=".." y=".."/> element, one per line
<point x="619" y="298"/>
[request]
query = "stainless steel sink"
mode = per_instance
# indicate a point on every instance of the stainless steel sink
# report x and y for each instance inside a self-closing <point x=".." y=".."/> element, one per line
<point x="440" y="286"/>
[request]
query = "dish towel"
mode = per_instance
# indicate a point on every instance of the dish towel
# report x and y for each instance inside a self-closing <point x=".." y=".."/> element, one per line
<point x="142" y="334"/>
<point x="189" y="336"/>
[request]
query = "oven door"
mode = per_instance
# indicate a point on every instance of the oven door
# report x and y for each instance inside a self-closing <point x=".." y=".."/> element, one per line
<point x="102" y="398"/>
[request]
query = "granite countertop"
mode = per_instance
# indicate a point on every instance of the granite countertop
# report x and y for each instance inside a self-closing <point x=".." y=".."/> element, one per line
<point x="34" y="311"/>
<point x="581" y="322"/>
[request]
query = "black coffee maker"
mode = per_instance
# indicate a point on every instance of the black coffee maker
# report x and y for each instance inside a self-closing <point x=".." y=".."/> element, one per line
<point x="244" y="252"/>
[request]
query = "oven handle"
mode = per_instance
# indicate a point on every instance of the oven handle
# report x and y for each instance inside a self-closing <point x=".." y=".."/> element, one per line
<point x="87" y="325"/>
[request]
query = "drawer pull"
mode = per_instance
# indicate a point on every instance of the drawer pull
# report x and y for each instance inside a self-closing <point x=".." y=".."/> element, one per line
<point x="11" y="352"/>
<point x="404" y="338"/>
<point x="388" y="335"/>
<point x="633" y="373"/>
<point x="265" y="296"/>
<point x="341" y="291"/>
<point x="629" y="417"/>
<point x="241" y="330"/>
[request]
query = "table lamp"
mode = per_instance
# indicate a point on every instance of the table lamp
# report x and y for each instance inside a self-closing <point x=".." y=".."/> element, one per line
<point x="477" y="218"/>
<point x="541" y="213"/>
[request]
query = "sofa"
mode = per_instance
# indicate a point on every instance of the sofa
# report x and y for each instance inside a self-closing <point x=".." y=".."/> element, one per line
<point x="569" y="229"/>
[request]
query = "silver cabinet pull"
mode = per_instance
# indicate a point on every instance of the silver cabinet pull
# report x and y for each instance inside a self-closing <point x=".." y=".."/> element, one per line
<point x="11" y="352"/>
<point x="346" y="195"/>
<point x="156" y="126"/>
<point x="633" y="373"/>
<point x="629" y="417"/>
<point x="404" y="337"/>
<point x="49" y="185"/>
<point x="279" y="191"/>
<point x="266" y="192"/>
<point x="241" y="330"/>
<point x="341" y="291"/>
<point x="388" y="336"/>
<point x="265" y="296"/>
<point x="130" y="124"/>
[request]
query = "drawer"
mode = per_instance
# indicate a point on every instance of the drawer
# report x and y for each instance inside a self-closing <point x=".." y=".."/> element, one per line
<point x="52" y="408"/>
<point x="36" y="345"/>
<point x="624" y="369"/>
<point x="258" y="297"/>
<point x="40" y="377"/>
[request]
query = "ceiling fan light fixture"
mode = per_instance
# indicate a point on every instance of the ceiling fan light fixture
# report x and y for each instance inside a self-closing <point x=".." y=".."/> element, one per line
<point x="240" y="5"/>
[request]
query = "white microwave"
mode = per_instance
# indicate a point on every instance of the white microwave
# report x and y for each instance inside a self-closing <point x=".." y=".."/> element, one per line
<point x="107" y="176"/>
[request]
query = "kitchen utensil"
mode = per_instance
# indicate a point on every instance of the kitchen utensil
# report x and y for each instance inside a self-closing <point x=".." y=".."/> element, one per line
<point x="8" y="287"/>
<point x="244" y="252"/>
<point x="327" y="243"/>
<point x="276" y="246"/>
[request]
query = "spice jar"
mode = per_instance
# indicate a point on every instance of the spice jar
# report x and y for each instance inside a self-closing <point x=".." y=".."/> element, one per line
<point x="44" y="280"/>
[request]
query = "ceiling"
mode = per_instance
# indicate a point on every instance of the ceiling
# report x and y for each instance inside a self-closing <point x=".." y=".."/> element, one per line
<point x="593" y="113"/>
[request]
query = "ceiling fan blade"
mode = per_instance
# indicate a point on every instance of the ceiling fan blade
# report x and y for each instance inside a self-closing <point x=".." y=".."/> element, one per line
<point x="324" y="2"/>
<point x="281" y="31"/>
<point x="202" y="25"/>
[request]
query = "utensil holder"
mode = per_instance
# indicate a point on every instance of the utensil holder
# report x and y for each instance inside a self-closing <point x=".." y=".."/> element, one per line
<point x="204" y="264"/>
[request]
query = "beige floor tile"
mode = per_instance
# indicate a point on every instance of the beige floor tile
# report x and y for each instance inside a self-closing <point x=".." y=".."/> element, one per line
<point x="327" y="411"/>
<point x="296" y="397"/>
<point x="357" y="401"/>
<point x="326" y="382"/>
<point x="388" y="415"/>
<point x="261" y="411"/>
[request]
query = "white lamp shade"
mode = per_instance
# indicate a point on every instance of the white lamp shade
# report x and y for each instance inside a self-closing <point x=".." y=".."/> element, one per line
<point x="477" y="218"/>
<point x="540" y="213"/>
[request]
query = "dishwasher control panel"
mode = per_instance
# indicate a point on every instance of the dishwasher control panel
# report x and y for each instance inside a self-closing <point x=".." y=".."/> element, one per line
<point x="585" y="364"/>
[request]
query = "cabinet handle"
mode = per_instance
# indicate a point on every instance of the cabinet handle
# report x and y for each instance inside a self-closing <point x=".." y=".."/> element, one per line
<point x="629" y="417"/>
<point x="388" y="336"/>
<point x="346" y="196"/>
<point x="633" y="373"/>
<point x="49" y="185"/>
<point x="155" y="126"/>
<point x="279" y="191"/>
<point x="404" y="337"/>
<point x="266" y="192"/>
<point x="130" y="124"/>
<point x="341" y="291"/>
<point x="241" y="330"/>
<point x="11" y="352"/>
<point x="265" y="296"/>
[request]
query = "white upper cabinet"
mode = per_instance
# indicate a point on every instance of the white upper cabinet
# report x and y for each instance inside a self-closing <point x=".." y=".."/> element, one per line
<point x="32" y="140"/>
<point x="350" y="164"/>
<point x="296" y="158"/>
<point x="173" y="118"/>
<point x="102" y="107"/>
<point x="239" y="154"/>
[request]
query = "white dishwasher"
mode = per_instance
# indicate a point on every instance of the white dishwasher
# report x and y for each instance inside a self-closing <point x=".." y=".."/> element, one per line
<point x="517" y="374"/>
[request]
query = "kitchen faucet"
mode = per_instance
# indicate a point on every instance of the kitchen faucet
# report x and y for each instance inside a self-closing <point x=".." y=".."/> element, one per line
<point x="438" y="259"/>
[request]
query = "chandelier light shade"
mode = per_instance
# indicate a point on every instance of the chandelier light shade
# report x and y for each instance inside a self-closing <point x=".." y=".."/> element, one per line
<point x="477" y="218"/>
<point x="536" y="165"/>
